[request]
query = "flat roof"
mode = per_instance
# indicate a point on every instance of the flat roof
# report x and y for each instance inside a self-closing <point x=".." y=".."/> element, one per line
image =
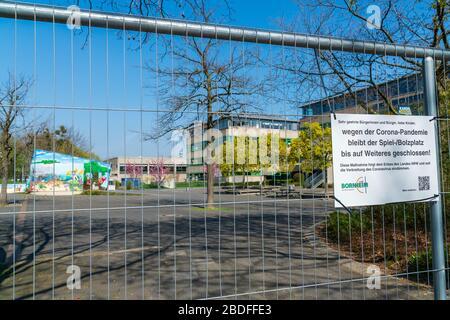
<point x="363" y="89"/>
<point x="146" y="160"/>
<point x="255" y="116"/>
<point x="261" y="117"/>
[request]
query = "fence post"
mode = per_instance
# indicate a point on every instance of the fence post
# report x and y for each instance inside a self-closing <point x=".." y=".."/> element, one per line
<point x="437" y="237"/>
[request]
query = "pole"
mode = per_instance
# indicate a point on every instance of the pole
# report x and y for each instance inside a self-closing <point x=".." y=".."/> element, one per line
<point x="436" y="212"/>
<point x="38" y="12"/>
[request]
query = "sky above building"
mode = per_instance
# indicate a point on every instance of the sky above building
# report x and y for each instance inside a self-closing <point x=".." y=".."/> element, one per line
<point x="72" y="73"/>
<point x="102" y="85"/>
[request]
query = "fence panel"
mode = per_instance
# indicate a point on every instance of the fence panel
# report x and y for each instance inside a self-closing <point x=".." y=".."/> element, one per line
<point x="159" y="159"/>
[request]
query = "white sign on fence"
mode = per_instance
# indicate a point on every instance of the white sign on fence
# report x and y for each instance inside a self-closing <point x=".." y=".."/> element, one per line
<point x="380" y="159"/>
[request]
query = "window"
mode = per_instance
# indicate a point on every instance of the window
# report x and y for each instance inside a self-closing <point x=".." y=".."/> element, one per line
<point x="169" y="169"/>
<point x="403" y="85"/>
<point x="223" y="124"/>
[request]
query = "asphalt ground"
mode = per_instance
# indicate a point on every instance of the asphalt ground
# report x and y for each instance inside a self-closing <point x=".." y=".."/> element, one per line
<point x="163" y="244"/>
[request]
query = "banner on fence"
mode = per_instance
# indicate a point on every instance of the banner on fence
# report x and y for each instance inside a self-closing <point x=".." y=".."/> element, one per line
<point x="57" y="172"/>
<point x="380" y="159"/>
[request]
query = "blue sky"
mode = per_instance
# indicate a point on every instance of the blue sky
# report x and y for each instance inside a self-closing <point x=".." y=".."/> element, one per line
<point x="60" y="67"/>
<point x="105" y="76"/>
<point x="68" y="72"/>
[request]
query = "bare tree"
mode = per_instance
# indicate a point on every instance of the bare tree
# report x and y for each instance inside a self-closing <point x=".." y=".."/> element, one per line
<point x="319" y="73"/>
<point x="13" y="94"/>
<point x="203" y="78"/>
<point x="164" y="8"/>
<point x="141" y="7"/>
<point x="422" y="23"/>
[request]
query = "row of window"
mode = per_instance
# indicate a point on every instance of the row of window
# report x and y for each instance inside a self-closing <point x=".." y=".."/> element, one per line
<point x="411" y="86"/>
<point x="145" y="168"/>
<point x="257" y="123"/>
<point x="322" y="107"/>
<point x="200" y="160"/>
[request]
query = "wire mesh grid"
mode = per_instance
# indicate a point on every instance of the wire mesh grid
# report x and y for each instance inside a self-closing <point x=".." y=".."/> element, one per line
<point x="164" y="223"/>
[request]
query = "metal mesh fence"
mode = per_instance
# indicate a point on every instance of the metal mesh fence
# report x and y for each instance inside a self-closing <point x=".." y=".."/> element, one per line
<point x="161" y="222"/>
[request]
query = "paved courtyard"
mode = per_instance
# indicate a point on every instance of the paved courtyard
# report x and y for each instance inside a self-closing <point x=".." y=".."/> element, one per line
<point x="163" y="244"/>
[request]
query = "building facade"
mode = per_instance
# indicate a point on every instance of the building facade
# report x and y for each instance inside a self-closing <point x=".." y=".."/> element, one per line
<point x="405" y="95"/>
<point x="252" y="126"/>
<point x="148" y="169"/>
<point x="191" y="166"/>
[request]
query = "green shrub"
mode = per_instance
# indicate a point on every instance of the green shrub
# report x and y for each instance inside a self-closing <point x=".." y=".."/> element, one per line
<point x="298" y="179"/>
<point x="129" y="185"/>
<point x="341" y="224"/>
<point x="422" y="261"/>
<point x="107" y="193"/>
<point x="94" y="193"/>
<point x="409" y="213"/>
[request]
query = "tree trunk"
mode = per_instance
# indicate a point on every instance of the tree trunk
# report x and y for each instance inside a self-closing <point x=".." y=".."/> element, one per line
<point x="246" y="175"/>
<point x="210" y="185"/>
<point x="4" y="176"/>
<point x="326" y="182"/>
<point x="210" y="125"/>
<point x="244" y="180"/>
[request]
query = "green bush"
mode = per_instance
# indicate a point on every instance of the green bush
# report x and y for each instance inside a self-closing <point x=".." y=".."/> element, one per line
<point x="341" y="224"/>
<point x="409" y="213"/>
<point x="422" y="261"/>
<point x="129" y="185"/>
<point x="298" y="179"/>
<point x="94" y="193"/>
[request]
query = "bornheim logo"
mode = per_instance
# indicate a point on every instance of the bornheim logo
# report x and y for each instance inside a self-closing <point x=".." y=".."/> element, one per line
<point x="360" y="185"/>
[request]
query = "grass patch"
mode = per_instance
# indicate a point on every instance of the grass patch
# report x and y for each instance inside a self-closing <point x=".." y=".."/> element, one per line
<point x="192" y="184"/>
<point x="149" y="186"/>
<point x="105" y="193"/>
